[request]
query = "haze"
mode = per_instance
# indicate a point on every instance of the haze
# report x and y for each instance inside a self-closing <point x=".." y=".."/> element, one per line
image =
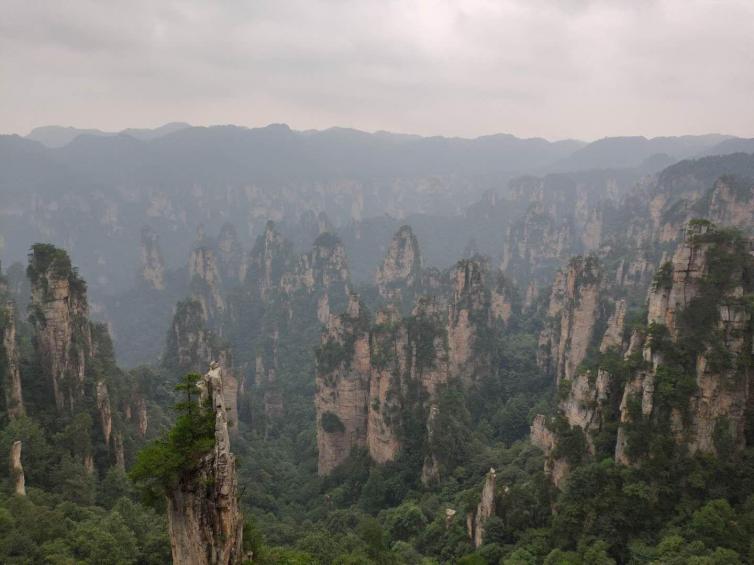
<point x="574" y="68"/>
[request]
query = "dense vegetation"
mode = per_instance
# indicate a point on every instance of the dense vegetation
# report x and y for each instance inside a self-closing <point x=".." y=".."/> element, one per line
<point x="671" y="507"/>
<point x="160" y="465"/>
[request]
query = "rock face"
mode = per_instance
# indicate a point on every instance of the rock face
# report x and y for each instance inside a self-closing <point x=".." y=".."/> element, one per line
<point x="485" y="509"/>
<point x="683" y="376"/>
<point x="324" y="267"/>
<point x="17" y="469"/>
<point x="401" y="270"/>
<point x="152" y="263"/>
<point x="544" y="438"/>
<point x="613" y="337"/>
<point x="535" y="243"/>
<point x="204" y="518"/>
<point x="573" y="312"/>
<point x="268" y="261"/>
<point x="342" y="386"/>
<point x="230" y="255"/>
<point x="707" y="274"/>
<point x="267" y="382"/>
<point x="14" y="402"/>
<point x="206" y="282"/>
<point x="191" y="346"/>
<point x="372" y="378"/>
<point x="59" y="312"/>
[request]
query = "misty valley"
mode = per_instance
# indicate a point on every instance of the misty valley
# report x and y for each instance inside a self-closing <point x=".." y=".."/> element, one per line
<point x="224" y="345"/>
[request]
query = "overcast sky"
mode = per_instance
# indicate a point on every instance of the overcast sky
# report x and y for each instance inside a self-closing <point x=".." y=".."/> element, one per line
<point x="567" y="68"/>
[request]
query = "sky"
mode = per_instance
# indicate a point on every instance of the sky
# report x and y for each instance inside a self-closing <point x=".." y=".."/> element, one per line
<point x="557" y="69"/>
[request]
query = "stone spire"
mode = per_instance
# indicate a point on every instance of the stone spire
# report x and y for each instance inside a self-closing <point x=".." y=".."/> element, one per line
<point x="17" y="470"/>
<point x="204" y="517"/>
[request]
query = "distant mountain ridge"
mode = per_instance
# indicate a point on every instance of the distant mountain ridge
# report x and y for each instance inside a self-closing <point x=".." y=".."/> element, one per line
<point x="59" y="136"/>
<point x="352" y="151"/>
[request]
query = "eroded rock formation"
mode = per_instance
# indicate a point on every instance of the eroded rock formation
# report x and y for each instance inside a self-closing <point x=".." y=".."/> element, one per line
<point x="204" y="517"/>
<point x="696" y="303"/>
<point x="191" y="346"/>
<point x="152" y="263"/>
<point x="63" y="336"/>
<point x="572" y="313"/>
<point x="230" y="256"/>
<point x="17" y="469"/>
<point x="206" y="282"/>
<point x="342" y="387"/>
<point x="14" y="402"/>
<point x="371" y="376"/>
<point x="485" y="509"/>
<point x="401" y="270"/>
<point x="684" y="375"/>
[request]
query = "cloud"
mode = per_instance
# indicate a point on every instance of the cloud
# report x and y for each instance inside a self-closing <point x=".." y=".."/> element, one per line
<point x="572" y="68"/>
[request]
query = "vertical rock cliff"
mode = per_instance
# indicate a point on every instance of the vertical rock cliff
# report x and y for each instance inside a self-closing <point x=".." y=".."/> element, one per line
<point x="9" y="361"/>
<point x="17" y="469"/>
<point x="535" y="244"/>
<point x="401" y="269"/>
<point x="325" y="268"/>
<point x="269" y="259"/>
<point x="230" y="256"/>
<point x="152" y="263"/>
<point x="698" y="346"/>
<point x="206" y="282"/>
<point x="486" y="508"/>
<point x="468" y="319"/>
<point x="63" y="337"/>
<point x="190" y="346"/>
<point x="204" y="518"/>
<point x="686" y="375"/>
<point x="342" y="386"/>
<point x="572" y="314"/>
<point x="374" y="380"/>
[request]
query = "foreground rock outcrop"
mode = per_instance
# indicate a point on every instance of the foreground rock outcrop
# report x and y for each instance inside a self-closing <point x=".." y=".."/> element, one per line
<point x="204" y="518"/>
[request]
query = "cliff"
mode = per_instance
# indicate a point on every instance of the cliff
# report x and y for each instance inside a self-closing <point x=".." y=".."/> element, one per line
<point x="190" y="346"/>
<point x="342" y="386"/>
<point x="572" y="314"/>
<point x="152" y="263"/>
<point x="204" y="518"/>
<point x="685" y="375"/>
<point x="206" y="282"/>
<point x="324" y="268"/>
<point x="269" y="259"/>
<point x="59" y="310"/>
<point x="698" y="346"/>
<point x="230" y="256"/>
<point x="535" y="244"/>
<point x="401" y="269"/>
<point x="14" y="402"/>
<point x="374" y="380"/>
<point x="17" y="470"/>
<point x="486" y="508"/>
